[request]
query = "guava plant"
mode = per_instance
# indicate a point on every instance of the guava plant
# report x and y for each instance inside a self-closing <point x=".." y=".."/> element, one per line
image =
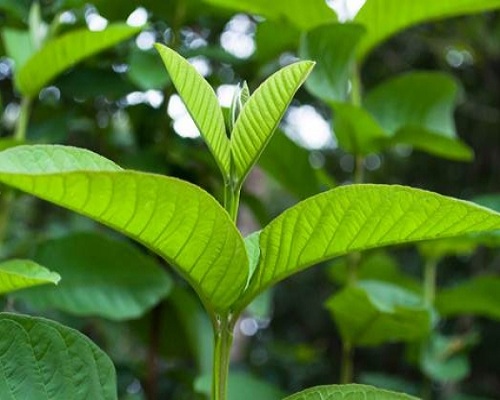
<point x="199" y="238"/>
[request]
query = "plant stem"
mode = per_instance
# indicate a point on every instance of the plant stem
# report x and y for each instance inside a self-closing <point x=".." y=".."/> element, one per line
<point x="154" y="345"/>
<point x="346" y="370"/>
<point x="22" y="122"/>
<point x="223" y="338"/>
<point x="430" y="281"/>
<point x="232" y="200"/>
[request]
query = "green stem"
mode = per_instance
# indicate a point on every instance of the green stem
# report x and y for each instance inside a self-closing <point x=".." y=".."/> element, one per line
<point x="232" y="200"/>
<point x="22" y="122"/>
<point x="359" y="170"/>
<point x="347" y="367"/>
<point x="430" y="281"/>
<point x="223" y="338"/>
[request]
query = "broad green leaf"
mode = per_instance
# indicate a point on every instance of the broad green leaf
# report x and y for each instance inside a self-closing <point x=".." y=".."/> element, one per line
<point x="372" y="313"/>
<point x="294" y="11"/>
<point x="273" y="38"/>
<point x="18" y="45"/>
<point x="477" y="296"/>
<point x="146" y="70"/>
<point x="44" y="360"/>
<point x="19" y="274"/>
<point x="277" y="161"/>
<point x="173" y="218"/>
<point x="348" y="392"/>
<point x="333" y="47"/>
<point x="357" y="132"/>
<point x="359" y="217"/>
<point x="262" y="114"/>
<point x="202" y="104"/>
<point x="102" y="277"/>
<point x="65" y="51"/>
<point x="384" y="18"/>
<point x="418" y="108"/>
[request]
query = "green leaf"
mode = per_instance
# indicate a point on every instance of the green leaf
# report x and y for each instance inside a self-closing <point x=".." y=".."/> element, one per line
<point x="356" y="130"/>
<point x="333" y="47"/>
<point x="417" y="109"/>
<point x="44" y="360"/>
<point x="348" y="392"/>
<point x="175" y="219"/>
<point x="65" y="51"/>
<point x="102" y="277"/>
<point x="481" y="294"/>
<point x="359" y="217"/>
<point x="19" y="274"/>
<point x="316" y="13"/>
<point x="372" y="313"/>
<point x="384" y="18"/>
<point x="273" y="38"/>
<point x="262" y="114"/>
<point x="18" y="45"/>
<point x="277" y="161"/>
<point x="202" y="104"/>
<point x="19" y="8"/>
<point x="146" y="70"/>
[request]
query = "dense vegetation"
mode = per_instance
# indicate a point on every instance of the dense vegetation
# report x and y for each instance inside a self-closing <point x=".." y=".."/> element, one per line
<point x="186" y="238"/>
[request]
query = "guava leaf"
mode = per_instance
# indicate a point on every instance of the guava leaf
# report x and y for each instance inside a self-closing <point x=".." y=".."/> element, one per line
<point x="65" y="51"/>
<point x="333" y="47"/>
<point x="19" y="274"/>
<point x="202" y="104"/>
<point x="348" y="392"/>
<point x="262" y="113"/>
<point x="384" y="18"/>
<point x="44" y="360"/>
<point x="175" y="219"/>
<point x="372" y="313"/>
<point x="358" y="217"/>
<point x="102" y="277"/>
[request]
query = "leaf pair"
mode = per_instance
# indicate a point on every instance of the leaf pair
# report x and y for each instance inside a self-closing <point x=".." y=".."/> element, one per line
<point x="260" y="116"/>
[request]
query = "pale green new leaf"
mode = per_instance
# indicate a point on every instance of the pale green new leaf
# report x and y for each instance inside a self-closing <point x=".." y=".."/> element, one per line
<point x="65" y="51"/>
<point x="295" y="12"/>
<point x="19" y="274"/>
<point x="333" y="47"/>
<point x="348" y="392"/>
<point x="372" y="313"/>
<point x="44" y="360"/>
<point x="202" y="104"/>
<point x="18" y="45"/>
<point x="102" y="277"/>
<point x="262" y="113"/>
<point x="175" y="219"/>
<point x="384" y="18"/>
<point x="359" y="217"/>
<point x="477" y="296"/>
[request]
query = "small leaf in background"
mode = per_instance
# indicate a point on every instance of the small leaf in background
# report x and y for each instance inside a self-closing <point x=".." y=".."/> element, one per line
<point x="18" y="45"/>
<point x="20" y="274"/>
<point x="176" y="219"/>
<point x="316" y="13"/>
<point x="359" y="217"/>
<point x="443" y="358"/>
<point x="418" y="108"/>
<point x="372" y="313"/>
<point x="102" y="277"/>
<point x="146" y="70"/>
<point x="476" y="296"/>
<point x="262" y="114"/>
<point x="65" y="51"/>
<point x="348" y="392"/>
<point x="333" y="48"/>
<point x="281" y="153"/>
<point x="384" y="18"/>
<point x="202" y="104"/>
<point x="42" y="359"/>
<point x="273" y="38"/>
<point x="357" y="131"/>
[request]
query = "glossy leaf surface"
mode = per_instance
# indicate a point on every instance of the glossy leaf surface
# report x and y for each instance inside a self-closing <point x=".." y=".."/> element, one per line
<point x="262" y="113"/>
<point x="44" y="360"/>
<point x="65" y="51"/>
<point x="175" y="219"/>
<point x="333" y="47"/>
<point x="348" y="392"/>
<point x="20" y="274"/>
<point x="202" y="104"/>
<point x="384" y="18"/>
<point x="358" y="217"/>
<point x="372" y="313"/>
<point x="102" y="277"/>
